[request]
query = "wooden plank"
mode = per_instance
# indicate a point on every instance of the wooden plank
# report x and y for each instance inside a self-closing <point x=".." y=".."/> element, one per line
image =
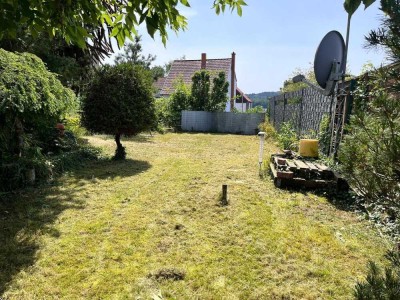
<point x="321" y="167"/>
<point x="301" y="164"/>
<point x="286" y="175"/>
<point x="279" y="161"/>
<point x="291" y="164"/>
<point x="273" y="170"/>
<point x="311" y="166"/>
<point x="282" y="161"/>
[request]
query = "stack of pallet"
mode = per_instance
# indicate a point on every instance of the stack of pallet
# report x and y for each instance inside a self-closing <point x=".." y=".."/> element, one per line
<point x="291" y="170"/>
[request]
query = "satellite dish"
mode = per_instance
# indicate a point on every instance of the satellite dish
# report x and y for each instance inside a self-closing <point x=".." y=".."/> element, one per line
<point x="329" y="61"/>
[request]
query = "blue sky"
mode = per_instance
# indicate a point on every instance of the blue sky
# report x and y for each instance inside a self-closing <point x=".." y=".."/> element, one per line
<point x="271" y="39"/>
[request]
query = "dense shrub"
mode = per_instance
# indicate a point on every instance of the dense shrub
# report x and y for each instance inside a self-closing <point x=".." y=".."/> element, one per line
<point x="370" y="153"/>
<point x="32" y="100"/>
<point x="179" y="100"/>
<point x="163" y="114"/>
<point x="119" y="101"/>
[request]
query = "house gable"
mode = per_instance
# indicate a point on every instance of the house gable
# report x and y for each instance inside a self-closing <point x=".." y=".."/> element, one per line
<point x="185" y="69"/>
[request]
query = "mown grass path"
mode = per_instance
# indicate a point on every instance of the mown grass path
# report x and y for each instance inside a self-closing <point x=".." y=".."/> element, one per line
<point x="113" y="230"/>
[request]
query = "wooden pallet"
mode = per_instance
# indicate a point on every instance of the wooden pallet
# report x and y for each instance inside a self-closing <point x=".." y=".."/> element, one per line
<point x="289" y="170"/>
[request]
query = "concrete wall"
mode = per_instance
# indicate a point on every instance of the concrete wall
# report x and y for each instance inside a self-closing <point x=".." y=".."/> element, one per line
<point x="223" y="122"/>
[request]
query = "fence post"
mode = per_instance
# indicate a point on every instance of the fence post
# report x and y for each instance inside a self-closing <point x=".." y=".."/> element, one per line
<point x="301" y="112"/>
<point x="274" y="121"/>
<point x="284" y="107"/>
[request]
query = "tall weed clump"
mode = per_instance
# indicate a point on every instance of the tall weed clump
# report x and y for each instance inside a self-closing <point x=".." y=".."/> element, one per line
<point x="287" y="137"/>
<point x="268" y="128"/>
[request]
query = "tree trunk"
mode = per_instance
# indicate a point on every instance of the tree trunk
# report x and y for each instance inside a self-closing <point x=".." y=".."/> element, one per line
<point x="120" y="151"/>
<point x="118" y="140"/>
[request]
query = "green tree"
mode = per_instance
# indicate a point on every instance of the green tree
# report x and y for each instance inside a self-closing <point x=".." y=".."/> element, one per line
<point x="92" y="24"/>
<point x="120" y="101"/>
<point x="200" y="90"/>
<point x="158" y="72"/>
<point x="219" y="94"/>
<point x="133" y="54"/>
<point x="387" y="36"/>
<point x="201" y="97"/>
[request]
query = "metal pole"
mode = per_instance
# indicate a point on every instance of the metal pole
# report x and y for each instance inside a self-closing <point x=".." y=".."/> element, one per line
<point x="346" y="46"/>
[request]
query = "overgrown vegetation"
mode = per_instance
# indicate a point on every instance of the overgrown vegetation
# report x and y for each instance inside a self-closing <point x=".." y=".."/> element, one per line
<point x="32" y="101"/>
<point x="119" y="101"/>
<point x="287" y="136"/>
<point x="380" y="285"/>
<point x="255" y="109"/>
<point x="268" y="128"/>
<point x="290" y="86"/>
<point x="370" y="153"/>
<point x="324" y="135"/>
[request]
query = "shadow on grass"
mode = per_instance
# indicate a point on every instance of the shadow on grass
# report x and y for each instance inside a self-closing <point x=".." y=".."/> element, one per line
<point x="26" y="215"/>
<point x="213" y="133"/>
<point x="110" y="169"/>
<point x="342" y="200"/>
<point x="141" y="138"/>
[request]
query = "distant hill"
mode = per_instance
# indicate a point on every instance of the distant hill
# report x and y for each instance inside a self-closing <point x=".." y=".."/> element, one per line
<point x="261" y="98"/>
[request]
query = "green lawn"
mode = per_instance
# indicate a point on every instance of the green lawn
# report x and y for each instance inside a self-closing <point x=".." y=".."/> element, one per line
<point x="118" y="230"/>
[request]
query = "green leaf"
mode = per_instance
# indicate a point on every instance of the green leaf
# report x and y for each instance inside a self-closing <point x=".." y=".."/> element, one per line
<point x="115" y="31"/>
<point x="239" y="11"/>
<point x="351" y="6"/>
<point x="120" y="39"/>
<point x="367" y="3"/>
<point x="185" y="2"/>
<point x="106" y="17"/>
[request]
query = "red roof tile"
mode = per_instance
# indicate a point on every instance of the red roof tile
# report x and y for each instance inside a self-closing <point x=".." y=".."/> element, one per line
<point x="245" y="97"/>
<point x="185" y="69"/>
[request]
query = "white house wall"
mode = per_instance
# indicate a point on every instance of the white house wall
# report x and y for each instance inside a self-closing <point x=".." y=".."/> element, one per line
<point x="228" y="103"/>
<point x="239" y="106"/>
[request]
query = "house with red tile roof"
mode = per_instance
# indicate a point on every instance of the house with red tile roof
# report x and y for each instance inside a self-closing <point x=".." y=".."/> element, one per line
<point x="185" y="69"/>
<point x="243" y="102"/>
